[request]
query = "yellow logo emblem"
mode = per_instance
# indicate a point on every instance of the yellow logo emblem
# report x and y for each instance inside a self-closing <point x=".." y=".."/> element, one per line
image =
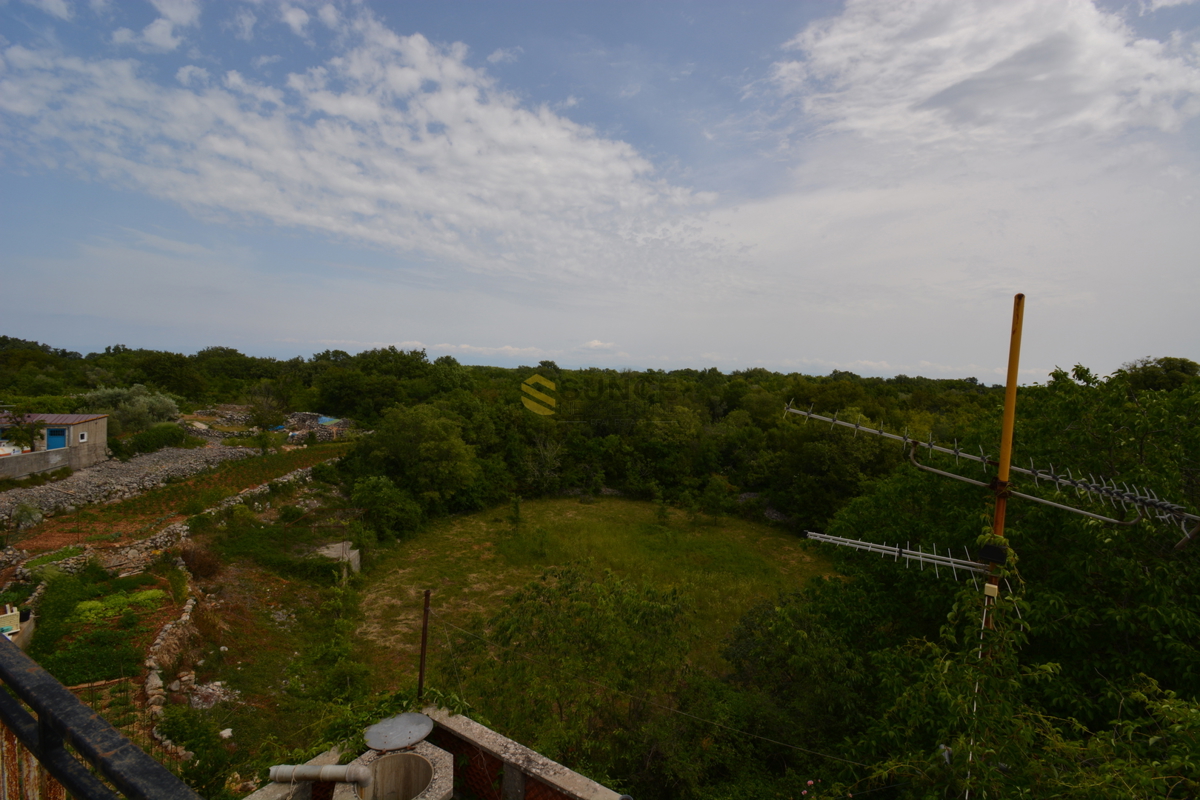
<point x="534" y="396"/>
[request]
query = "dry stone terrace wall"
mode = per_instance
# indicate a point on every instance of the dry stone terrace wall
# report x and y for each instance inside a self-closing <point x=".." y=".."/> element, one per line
<point x="134" y="557"/>
<point x="115" y="480"/>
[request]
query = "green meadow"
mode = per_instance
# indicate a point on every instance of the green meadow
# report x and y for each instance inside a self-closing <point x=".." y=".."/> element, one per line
<point x="723" y="565"/>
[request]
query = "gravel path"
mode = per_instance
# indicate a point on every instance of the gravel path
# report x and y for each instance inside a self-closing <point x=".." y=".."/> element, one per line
<point x="116" y="480"/>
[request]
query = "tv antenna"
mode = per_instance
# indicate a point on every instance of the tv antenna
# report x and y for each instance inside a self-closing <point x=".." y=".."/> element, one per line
<point x="1146" y="502"/>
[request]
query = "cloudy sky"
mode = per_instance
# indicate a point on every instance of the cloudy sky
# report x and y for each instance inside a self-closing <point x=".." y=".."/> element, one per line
<point x="800" y="186"/>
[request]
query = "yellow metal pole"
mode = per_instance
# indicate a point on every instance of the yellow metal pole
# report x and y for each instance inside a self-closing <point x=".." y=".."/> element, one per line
<point x="1010" y="415"/>
<point x="992" y="589"/>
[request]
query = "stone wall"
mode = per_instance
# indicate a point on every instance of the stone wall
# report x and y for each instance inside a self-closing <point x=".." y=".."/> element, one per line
<point x="114" y="480"/>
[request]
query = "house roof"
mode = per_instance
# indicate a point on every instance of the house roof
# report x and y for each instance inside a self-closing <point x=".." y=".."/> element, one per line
<point x="58" y="419"/>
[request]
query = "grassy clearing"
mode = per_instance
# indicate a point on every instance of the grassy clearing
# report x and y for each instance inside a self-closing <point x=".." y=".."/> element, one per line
<point x="724" y="566"/>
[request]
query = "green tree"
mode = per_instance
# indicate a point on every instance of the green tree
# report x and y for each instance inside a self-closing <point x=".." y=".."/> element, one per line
<point x="390" y="512"/>
<point x="21" y="427"/>
<point x="130" y="409"/>
<point x="422" y="450"/>
<point x="267" y="406"/>
<point x="1160" y="373"/>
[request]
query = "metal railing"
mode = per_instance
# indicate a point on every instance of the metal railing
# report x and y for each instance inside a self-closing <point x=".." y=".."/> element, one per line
<point x="61" y="720"/>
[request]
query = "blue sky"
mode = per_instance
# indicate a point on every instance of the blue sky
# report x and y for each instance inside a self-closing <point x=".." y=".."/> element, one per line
<point x="800" y="186"/>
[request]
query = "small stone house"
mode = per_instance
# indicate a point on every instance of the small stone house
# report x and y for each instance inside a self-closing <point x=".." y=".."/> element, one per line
<point x="69" y="440"/>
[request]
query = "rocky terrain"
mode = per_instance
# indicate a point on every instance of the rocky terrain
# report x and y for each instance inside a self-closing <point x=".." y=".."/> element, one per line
<point x="116" y="480"/>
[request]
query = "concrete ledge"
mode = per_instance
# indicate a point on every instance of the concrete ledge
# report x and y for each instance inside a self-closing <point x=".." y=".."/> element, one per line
<point x="440" y="788"/>
<point x="524" y="760"/>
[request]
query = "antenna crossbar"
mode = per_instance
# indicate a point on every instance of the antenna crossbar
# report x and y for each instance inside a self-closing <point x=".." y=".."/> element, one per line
<point x="897" y="552"/>
<point x="1143" y="499"/>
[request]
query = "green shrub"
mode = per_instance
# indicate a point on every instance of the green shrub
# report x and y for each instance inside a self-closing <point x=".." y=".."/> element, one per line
<point x="35" y="480"/>
<point x="289" y="514"/>
<point x="45" y="404"/>
<point x="18" y="594"/>
<point x="325" y="472"/>
<point x="198" y="731"/>
<point x="201" y="562"/>
<point x="391" y="511"/>
<point x="166" y="434"/>
<point x="133" y="409"/>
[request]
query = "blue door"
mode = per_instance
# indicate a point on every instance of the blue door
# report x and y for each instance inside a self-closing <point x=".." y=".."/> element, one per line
<point x="56" y="438"/>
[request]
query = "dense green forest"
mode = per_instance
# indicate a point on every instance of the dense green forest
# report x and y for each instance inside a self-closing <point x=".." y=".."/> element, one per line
<point x="694" y="438"/>
<point x="881" y="681"/>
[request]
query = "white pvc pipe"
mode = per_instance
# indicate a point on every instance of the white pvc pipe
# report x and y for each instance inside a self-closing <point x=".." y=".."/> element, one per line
<point x="345" y="773"/>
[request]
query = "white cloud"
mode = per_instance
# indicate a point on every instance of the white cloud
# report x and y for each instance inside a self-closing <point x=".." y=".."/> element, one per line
<point x="596" y="344"/>
<point x="505" y="55"/>
<point x="160" y="35"/>
<point x="356" y="343"/>
<point x="192" y="75"/>
<point x="505" y="351"/>
<point x="168" y="245"/>
<point x="1155" y="5"/>
<point x="243" y="24"/>
<point x="56" y="8"/>
<point x="178" y="12"/>
<point x="262" y="61"/>
<point x="394" y="142"/>
<point x="981" y="71"/>
<point x="329" y="17"/>
<point x="295" y="18"/>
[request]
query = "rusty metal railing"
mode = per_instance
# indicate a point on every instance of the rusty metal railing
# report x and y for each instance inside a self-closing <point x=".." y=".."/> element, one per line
<point x="34" y="760"/>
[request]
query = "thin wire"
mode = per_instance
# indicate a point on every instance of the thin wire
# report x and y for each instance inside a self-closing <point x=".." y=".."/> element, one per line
<point x="880" y="789"/>
<point x="659" y="705"/>
<point x="454" y="661"/>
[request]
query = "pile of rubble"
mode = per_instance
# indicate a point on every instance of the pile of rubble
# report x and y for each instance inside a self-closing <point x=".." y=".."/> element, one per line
<point x="303" y="424"/>
<point x="300" y="425"/>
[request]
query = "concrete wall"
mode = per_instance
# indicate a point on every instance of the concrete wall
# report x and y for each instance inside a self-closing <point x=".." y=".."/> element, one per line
<point x="495" y="767"/>
<point x="18" y="466"/>
<point x="95" y="449"/>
